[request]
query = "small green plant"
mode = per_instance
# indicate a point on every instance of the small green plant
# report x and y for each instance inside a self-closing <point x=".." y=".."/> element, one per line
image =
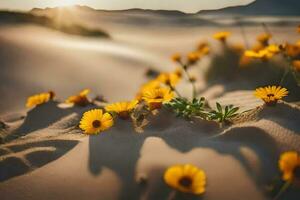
<point x="182" y="107"/>
<point x="223" y="115"/>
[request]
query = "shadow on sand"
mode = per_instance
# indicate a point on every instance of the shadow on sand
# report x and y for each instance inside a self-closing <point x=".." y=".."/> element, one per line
<point x="119" y="149"/>
<point x="43" y="116"/>
<point x="19" y="159"/>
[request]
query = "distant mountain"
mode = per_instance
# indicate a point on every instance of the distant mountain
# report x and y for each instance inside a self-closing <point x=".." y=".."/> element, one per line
<point x="126" y="11"/>
<point x="10" y="17"/>
<point x="149" y="11"/>
<point x="261" y="7"/>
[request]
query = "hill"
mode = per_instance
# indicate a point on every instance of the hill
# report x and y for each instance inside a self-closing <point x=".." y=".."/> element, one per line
<point x="260" y="7"/>
<point x="10" y="17"/>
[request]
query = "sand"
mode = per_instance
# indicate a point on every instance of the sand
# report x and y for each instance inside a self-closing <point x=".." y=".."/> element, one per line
<point x="46" y="156"/>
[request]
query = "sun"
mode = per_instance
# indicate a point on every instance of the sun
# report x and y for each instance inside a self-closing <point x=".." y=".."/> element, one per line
<point x="66" y="2"/>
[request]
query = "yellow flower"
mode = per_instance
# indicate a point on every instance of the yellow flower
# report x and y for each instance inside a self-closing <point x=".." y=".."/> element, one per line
<point x="273" y="48"/>
<point x="264" y="38"/>
<point x="123" y="109"/>
<point x="222" y="36"/>
<point x="157" y="96"/>
<point x="292" y="50"/>
<point x="289" y="163"/>
<point x="147" y="86"/>
<point x="296" y="65"/>
<point x="186" y="178"/>
<point x="264" y="54"/>
<point x="170" y="79"/>
<point x="203" y="48"/>
<point x="193" y="57"/>
<point x="39" y="99"/>
<point x="95" y="121"/>
<point x="80" y="99"/>
<point x="178" y="72"/>
<point x="271" y="94"/>
<point x="176" y="57"/>
<point x="252" y="54"/>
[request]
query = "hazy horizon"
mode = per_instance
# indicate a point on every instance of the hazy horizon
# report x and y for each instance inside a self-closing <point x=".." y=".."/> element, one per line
<point x="188" y="6"/>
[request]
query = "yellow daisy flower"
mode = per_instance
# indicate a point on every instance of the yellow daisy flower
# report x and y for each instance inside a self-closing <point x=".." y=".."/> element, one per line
<point x="178" y="72"/>
<point x="186" y="178"/>
<point x="39" y="99"/>
<point x="80" y="99"/>
<point x="289" y="164"/>
<point x="292" y="50"/>
<point x="95" y="121"/>
<point x="193" y="57"/>
<point x="264" y="38"/>
<point x="176" y="57"/>
<point x="157" y="96"/>
<point x="273" y="48"/>
<point x="123" y="109"/>
<point x="222" y="36"/>
<point x="264" y="54"/>
<point x="170" y="79"/>
<point x="147" y="86"/>
<point x="296" y="65"/>
<point x="252" y="54"/>
<point x="203" y="48"/>
<point x="271" y="94"/>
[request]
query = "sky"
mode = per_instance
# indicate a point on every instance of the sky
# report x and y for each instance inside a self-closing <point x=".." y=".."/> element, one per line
<point x="189" y="6"/>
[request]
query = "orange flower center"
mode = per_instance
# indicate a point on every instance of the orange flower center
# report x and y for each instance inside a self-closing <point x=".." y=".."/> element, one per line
<point x="96" y="124"/>
<point x="185" y="182"/>
<point x="270" y="95"/>
<point x="168" y="82"/>
<point x="124" y="115"/>
<point x="160" y="96"/>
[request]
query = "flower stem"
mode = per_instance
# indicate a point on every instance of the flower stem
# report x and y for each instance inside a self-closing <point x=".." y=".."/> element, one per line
<point x="184" y="67"/>
<point x="286" y="71"/>
<point x="175" y="90"/>
<point x="172" y="195"/>
<point x="282" y="189"/>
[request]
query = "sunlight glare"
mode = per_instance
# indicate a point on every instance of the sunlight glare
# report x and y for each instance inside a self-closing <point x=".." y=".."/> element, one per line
<point x="66" y="2"/>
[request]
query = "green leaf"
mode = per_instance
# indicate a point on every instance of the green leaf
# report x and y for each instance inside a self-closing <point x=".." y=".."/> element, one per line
<point x="219" y="107"/>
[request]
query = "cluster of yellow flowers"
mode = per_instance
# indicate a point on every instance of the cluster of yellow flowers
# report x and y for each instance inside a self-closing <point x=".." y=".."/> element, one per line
<point x="192" y="57"/>
<point x="39" y="99"/>
<point x="81" y="99"/>
<point x="265" y="51"/>
<point x="154" y="93"/>
<point x="265" y="54"/>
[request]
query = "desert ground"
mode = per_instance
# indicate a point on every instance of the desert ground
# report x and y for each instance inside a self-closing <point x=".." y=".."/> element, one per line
<point x="44" y="154"/>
